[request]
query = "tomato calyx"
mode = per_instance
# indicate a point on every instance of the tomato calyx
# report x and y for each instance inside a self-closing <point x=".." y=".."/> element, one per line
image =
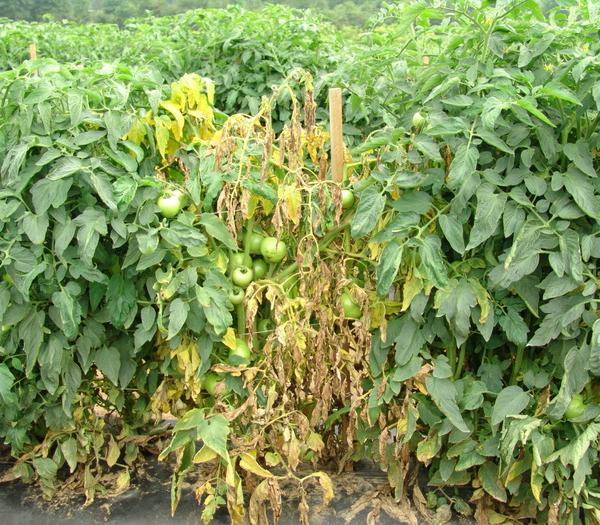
<point x="242" y="276"/>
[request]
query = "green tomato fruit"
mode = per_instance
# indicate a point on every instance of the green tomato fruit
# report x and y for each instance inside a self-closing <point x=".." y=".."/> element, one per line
<point x="576" y="407"/>
<point x="239" y="259"/>
<point x="260" y="268"/>
<point x="242" y="276"/>
<point x="351" y="309"/>
<point x="236" y="295"/>
<point x="265" y="327"/>
<point x="6" y="328"/>
<point x="347" y="199"/>
<point x="209" y="383"/>
<point x="273" y="250"/>
<point x="170" y="203"/>
<point x="254" y="242"/>
<point x="419" y="120"/>
<point x="241" y="354"/>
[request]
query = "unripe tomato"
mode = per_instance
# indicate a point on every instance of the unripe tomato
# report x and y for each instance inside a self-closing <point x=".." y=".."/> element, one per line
<point x="239" y="259"/>
<point x="273" y="250"/>
<point x="6" y="328"/>
<point x="242" y="276"/>
<point x="347" y="199"/>
<point x="254" y="242"/>
<point x="209" y="383"/>
<point x="264" y="327"/>
<point x="351" y="309"/>
<point x="241" y="354"/>
<point x="260" y="268"/>
<point x="236" y="295"/>
<point x="418" y="120"/>
<point x="576" y="407"/>
<point x="170" y="203"/>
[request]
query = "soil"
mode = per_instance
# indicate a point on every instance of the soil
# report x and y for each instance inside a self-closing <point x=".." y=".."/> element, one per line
<point x="361" y="497"/>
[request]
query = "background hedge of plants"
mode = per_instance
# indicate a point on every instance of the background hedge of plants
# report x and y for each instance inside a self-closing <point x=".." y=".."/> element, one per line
<point x="471" y="254"/>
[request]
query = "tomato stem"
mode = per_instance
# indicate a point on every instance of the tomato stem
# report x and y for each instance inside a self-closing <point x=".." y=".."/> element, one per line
<point x="240" y="312"/>
<point x="248" y="236"/>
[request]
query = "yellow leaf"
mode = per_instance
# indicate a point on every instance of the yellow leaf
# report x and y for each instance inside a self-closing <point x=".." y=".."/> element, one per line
<point x="229" y="339"/>
<point x="204" y="454"/>
<point x="177" y="126"/>
<point x="326" y="485"/>
<point x="482" y="299"/>
<point x="291" y="197"/>
<point x="137" y="132"/>
<point x="113" y="452"/>
<point x="412" y="286"/>
<point x="247" y="462"/>
<point x="123" y="481"/>
<point x="162" y="133"/>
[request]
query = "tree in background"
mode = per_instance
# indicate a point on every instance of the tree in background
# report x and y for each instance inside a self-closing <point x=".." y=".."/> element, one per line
<point x="341" y="12"/>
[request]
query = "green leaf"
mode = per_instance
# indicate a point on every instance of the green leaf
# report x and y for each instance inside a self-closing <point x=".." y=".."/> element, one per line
<point x="101" y="183"/>
<point x="369" y="211"/>
<point x="582" y="191"/>
<point x="46" y="193"/>
<point x="389" y="264"/>
<point x="65" y="167"/>
<point x="428" y="147"/>
<point x="214" y="304"/>
<point x="6" y="382"/>
<point x="432" y="260"/>
<point x="490" y="481"/>
<point x="487" y="215"/>
<point x="595" y="349"/>
<point x="453" y="232"/>
<point x="560" y="92"/>
<point x="514" y="327"/>
<point x="410" y="341"/>
<point x="31" y="332"/>
<point x="108" y="361"/>
<point x="463" y="165"/>
<point x="444" y="395"/>
<point x="510" y="402"/>
<point x="121" y="299"/>
<point x="528" y="105"/>
<point x="69" y="310"/>
<point x="580" y="154"/>
<point x="178" y="312"/>
<point x="35" y="227"/>
<point x="216" y="228"/>
<point x="455" y="302"/>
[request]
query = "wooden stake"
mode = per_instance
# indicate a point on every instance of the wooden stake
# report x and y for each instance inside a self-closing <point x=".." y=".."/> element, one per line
<point x="32" y="51"/>
<point x="336" y="134"/>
